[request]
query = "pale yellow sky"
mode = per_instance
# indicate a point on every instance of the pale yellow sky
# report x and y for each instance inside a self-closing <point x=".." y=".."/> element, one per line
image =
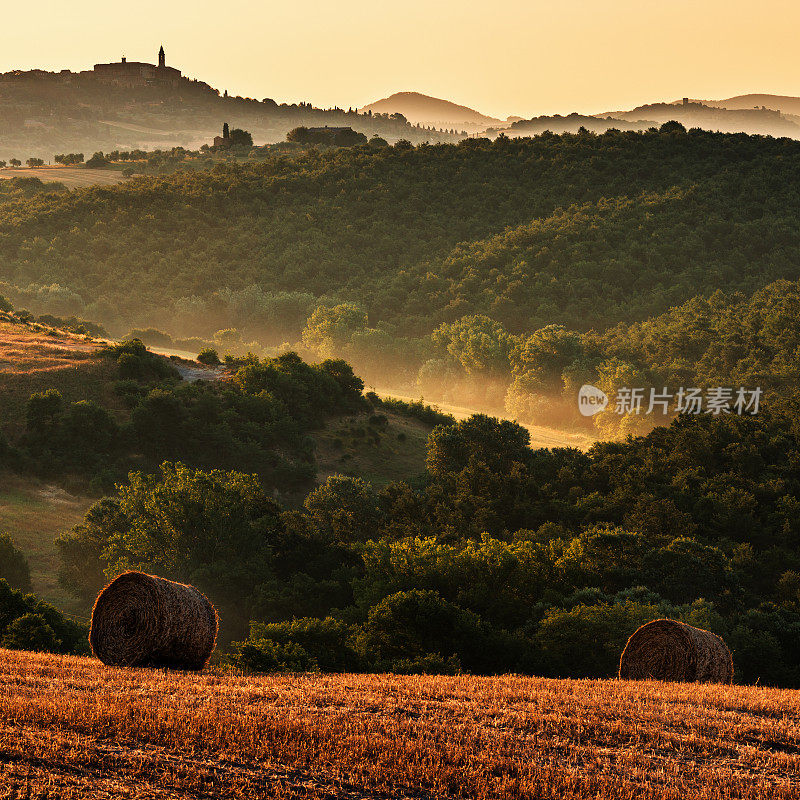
<point x="511" y="57"/>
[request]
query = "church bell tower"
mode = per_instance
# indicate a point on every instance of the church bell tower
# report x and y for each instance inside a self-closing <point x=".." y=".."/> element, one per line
<point x="162" y="59"/>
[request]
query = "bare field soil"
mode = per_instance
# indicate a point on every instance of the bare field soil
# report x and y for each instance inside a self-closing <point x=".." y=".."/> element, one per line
<point x="71" y="177"/>
<point x="72" y="728"/>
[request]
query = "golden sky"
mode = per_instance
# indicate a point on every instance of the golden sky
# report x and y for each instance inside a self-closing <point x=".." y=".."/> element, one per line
<point x="510" y="57"/>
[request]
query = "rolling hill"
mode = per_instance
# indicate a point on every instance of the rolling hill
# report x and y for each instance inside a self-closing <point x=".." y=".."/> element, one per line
<point x="421" y="108"/>
<point x="38" y="503"/>
<point x="73" y="727"/>
<point x="782" y="103"/>
<point x="716" y="117"/>
<point x="44" y="113"/>
<point x="415" y="237"/>
<point x="36" y="357"/>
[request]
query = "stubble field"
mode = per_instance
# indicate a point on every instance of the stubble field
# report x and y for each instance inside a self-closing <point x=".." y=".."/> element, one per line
<point x="72" y="728"/>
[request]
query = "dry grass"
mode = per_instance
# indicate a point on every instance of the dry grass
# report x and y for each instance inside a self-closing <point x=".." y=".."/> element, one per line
<point x="72" y="728"/>
<point x="541" y="436"/>
<point x="349" y="445"/>
<point x="33" y="513"/>
<point x="33" y="359"/>
<point x="71" y="177"/>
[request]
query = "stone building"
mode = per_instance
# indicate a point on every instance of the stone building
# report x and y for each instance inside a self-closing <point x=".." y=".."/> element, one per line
<point x="136" y="73"/>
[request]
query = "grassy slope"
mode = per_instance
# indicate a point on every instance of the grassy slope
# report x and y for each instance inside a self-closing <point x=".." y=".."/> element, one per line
<point x="541" y="435"/>
<point x="33" y="513"/>
<point x="380" y="455"/>
<point x="33" y="359"/>
<point x="71" y="728"/>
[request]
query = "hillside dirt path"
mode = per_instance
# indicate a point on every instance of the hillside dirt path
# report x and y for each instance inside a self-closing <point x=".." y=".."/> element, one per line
<point x="541" y="436"/>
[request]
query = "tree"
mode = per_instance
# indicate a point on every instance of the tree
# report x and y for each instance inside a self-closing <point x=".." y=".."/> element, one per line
<point x="487" y="440"/>
<point x="35" y="162"/>
<point x="226" y="133"/>
<point x="348" y="138"/>
<point x="540" y="360"/>
<point x="330" y="329"/>
<point x="31" y="632"/>
<point x="418" y="631"/>
<point x="15" y="162"/>
<point x="478" y="343"/>
<point x="299" y="134"/>
<point x="97" y="161"/>
<point x="241" y="138"/>
<point x="13" y="565"/>
<point x="42" y="410"/>
<point x="345" y="508"/>
<point x="208" y="355"/>
<point x="323" y="644"/>
<point x="672" y="126"/>
<point x="28" y="623"/>
<point x="585" y="641"/>
<point x="217" y="530"/>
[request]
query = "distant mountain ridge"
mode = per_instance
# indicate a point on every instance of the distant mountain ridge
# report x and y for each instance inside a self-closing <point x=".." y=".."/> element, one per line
<point x="784" y="103"/>
<point x="426" y="110"/>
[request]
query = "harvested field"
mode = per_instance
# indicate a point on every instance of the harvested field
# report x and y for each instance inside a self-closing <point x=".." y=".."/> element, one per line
<point x="71" y="177"/>
<point x="72" y="728"/>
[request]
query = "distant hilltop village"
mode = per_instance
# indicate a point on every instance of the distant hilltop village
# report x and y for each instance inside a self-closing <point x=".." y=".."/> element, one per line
<point x="137" y="73"/>
<point x="123" y="73"/>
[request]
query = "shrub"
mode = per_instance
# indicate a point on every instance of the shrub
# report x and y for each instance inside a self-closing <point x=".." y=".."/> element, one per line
<point x="327" y="642"/>
<point x="31" y="632"/>
<point x="42" y="410"/>
<point x="264" y="655"/>
<point x="345" y="508"/>
<point x="208" y="356"/>
<point x="29" y="623"/>
<point x="13" y="565"/>
<point x="419" y="627"/>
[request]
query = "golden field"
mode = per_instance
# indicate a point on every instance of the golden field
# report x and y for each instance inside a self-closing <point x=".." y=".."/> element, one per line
<point x="72" y="728"/>
<point x="71" y="177"/>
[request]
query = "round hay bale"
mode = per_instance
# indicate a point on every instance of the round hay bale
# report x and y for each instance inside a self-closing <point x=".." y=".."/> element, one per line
<point x="667" y="650"/>
<point x="141" y="620"/>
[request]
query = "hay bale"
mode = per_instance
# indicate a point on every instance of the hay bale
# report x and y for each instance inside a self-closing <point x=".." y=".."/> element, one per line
<point x="140" y="620"/>
<point x="668" y="650"/>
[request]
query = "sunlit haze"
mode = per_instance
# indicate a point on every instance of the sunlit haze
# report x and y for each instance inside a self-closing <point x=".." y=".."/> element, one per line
<point x="518" y="57"/>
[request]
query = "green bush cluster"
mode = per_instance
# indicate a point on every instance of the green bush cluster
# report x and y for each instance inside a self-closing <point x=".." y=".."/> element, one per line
<point x="529" y="232"/>
<point x="27" y="623"/>
<point x="502" y="558"/>
<point x="257" y="421"/>
<point x="14" y="566"/>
